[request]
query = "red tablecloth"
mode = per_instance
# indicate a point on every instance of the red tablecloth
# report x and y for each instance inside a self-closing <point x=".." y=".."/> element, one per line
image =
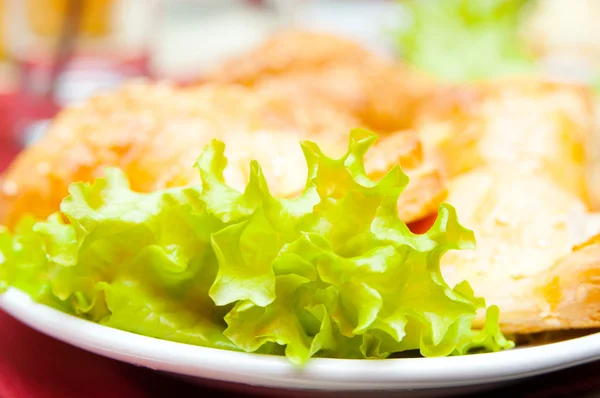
<point x="36" y="366"/>
<point x="8" y="146"/>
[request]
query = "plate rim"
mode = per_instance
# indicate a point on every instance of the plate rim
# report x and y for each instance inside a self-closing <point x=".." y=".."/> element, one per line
<point x="318" y="374"/>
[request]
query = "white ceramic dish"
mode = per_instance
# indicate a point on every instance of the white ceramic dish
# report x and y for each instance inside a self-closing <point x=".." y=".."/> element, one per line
<point x="325" y="375"/>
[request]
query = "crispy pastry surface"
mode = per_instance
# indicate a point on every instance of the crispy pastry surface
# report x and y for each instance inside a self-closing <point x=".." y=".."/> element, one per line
<point x="383" y="95"/>
<point x="155" y="132"/>
<point x="515" y="154"/>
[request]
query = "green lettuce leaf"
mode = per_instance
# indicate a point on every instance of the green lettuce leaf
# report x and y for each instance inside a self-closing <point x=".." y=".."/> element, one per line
<point x="332" y="272"/>
<point x="464" y="40"/>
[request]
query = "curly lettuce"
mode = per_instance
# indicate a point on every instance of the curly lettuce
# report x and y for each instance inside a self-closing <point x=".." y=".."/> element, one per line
<point x="464" y="40"/>
<point x="332" y="272"/>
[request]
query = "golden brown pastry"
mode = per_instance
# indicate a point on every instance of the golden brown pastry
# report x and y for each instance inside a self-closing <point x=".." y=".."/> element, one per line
<point x="515" y="155"/>
<point x="539" y="126"/>
<point x="568" y="294"/>
<point x="383" y="95"/>
<point x="155" y="132"/>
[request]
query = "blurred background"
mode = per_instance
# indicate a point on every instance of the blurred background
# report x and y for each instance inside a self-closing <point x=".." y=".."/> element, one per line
<point x="57" y="53"/>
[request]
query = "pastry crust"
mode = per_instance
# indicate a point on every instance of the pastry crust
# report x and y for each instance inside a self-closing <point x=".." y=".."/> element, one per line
<point x="155" y="132"/>
<point x="383" y="95"/>
<point x="567" y="295"/>
<point x="535" y="125"/>
<point x="515" y="155"/>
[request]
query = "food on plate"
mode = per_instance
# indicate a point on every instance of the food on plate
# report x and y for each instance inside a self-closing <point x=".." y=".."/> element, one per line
<point x="515" y="154"/>
<point x="382" y="94"/>
<point x="154" y="133"/>
<point x="164" y="250"/>
<point x="333" y="272"/>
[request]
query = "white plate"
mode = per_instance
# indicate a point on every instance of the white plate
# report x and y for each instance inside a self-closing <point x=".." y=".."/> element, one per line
<point x="319" y="374"/>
